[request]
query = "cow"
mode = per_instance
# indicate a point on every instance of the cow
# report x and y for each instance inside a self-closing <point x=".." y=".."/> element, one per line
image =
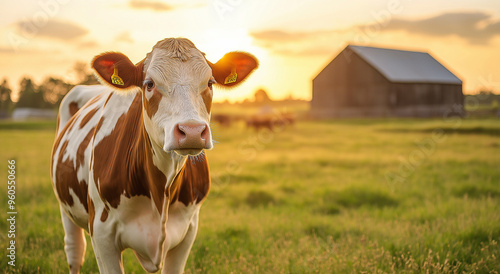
<point x="258" y="122"/>
<point x="270" y="121"/>
<point x="128" y="162"/>
<point x="223" y="120"/>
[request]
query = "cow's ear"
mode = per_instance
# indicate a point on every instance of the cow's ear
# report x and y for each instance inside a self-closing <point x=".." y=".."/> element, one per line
<point x="233" y="68"/>
<point x="116" y="70"/>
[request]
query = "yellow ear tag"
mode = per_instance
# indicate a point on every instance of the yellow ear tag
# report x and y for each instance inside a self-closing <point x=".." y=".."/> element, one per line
<point x="231" y="78"/>
<point x="115" y="79"/>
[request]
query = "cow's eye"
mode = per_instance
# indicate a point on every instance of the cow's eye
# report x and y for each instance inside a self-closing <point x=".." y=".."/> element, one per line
<point x="149" y="84"/>
<point x="211" y="82"/>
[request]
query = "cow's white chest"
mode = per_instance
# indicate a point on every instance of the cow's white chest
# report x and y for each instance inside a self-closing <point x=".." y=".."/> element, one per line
<point x="180" y="217"/>
<point x="139" y="226"/>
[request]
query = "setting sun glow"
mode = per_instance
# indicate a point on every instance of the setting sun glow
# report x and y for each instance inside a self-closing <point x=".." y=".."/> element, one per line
<point x="217" y="42"/>
<point x="292" y="40"/>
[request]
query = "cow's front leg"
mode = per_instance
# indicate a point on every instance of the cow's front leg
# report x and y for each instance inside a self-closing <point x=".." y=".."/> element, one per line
<point x="74" y="243"/>
<point x="107" y="253"/>
<point x="177" y="257"/>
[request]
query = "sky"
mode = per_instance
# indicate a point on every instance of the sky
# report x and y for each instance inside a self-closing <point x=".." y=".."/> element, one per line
<point x="293" y="40"/>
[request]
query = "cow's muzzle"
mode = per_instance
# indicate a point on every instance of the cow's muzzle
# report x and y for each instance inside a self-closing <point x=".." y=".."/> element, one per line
<point x="191" y="138"/>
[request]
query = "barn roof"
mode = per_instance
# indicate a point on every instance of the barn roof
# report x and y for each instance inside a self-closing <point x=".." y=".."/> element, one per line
<point x="406" y="66"/>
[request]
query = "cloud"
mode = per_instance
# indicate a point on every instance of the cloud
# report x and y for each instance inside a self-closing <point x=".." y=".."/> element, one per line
<point x="296" y="43"/>
<point x="307" y="51"/>
<point x="160" y="6"/>
<point x="475" y="27"/>
<point x="88" y="44"/>
<point x="124" y="37"/>
<point x="34" y="51"/>
<point x="285" y="36"/>
<point x="52" y="28"/>
<point x="149" y="4"/>
<point x="6" y="50"/>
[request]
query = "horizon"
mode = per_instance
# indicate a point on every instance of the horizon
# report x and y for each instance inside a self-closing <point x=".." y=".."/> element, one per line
<point x="293" y="41"/>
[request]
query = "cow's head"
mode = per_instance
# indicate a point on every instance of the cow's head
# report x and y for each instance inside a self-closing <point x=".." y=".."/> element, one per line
<point x="176" y="84"/>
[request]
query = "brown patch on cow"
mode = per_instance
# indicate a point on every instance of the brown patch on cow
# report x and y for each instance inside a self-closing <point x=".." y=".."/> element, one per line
<point x="57" y="142"/>
<point x="73" y="108"/>
<point x="107" y="99"/>
<point x="71" y="123"/>
<point x="98" y="127"/>
<point x="91" y="216"/>
<point x="65" y="177"/>
<point x="95" y="99"/>
<point x="193" y="182"/>
<point x="207" y="99"/>
<point x="88" y="116"/>
<point x="153" y="103"/>
<point x="123" y="163"/>
<point x="80" y="153"/>
<point x="104" y="214"/>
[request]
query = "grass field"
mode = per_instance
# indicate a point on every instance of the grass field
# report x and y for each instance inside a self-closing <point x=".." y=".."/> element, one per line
<point x="376" y="196"/>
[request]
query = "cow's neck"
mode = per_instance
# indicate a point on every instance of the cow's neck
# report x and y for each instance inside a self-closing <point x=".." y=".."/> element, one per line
<point x="152" y="165"/>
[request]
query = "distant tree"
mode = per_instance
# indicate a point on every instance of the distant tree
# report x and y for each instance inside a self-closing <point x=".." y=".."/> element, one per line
<point x="84" y="75"/>
<point x="484" y="97"/>
<point x="5" y="97"/>
<point x="53" y="90"/>
<point x="29" y="95"/>
<point x="261" y="97"/>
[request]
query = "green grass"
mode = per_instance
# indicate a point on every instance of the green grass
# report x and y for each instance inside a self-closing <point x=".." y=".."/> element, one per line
<point x="360" y="195"/>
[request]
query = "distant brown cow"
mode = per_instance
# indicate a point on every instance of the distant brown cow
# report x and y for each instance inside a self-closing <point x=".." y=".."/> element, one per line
<point x="260" y="122"/>
<point x="270" y="121"/>
<point x="222" y="119"/>
<point x="288" y="118"/>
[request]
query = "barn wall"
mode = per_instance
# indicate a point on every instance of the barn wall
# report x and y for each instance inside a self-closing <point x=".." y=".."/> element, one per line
<point x="366" y="88"/>
<point x="427" y="99"/>
<point x="347" y="84"/>
<point x="427" y="94"/>
<point x="330" y="85"/>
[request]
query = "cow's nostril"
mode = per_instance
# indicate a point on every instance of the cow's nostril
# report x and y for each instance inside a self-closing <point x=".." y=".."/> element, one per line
<point x="179" y="134"/>
<point x="205" y="134"/>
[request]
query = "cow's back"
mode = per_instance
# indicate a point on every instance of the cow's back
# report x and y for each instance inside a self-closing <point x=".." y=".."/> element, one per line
<point x="74" y="100"/>
<point x="79" y="114"/>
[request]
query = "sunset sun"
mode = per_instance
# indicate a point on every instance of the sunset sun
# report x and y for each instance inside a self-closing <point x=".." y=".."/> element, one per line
<point x="217" y="42"/>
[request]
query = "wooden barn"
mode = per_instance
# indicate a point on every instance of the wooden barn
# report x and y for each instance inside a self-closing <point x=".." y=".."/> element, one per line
<point x="378" y="82"/>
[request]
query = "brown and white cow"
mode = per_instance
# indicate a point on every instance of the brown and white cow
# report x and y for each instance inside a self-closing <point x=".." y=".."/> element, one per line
<point x="128" y="162"/>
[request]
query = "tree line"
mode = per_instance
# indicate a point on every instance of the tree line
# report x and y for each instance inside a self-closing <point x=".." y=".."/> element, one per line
<point x="46" y="95"/>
